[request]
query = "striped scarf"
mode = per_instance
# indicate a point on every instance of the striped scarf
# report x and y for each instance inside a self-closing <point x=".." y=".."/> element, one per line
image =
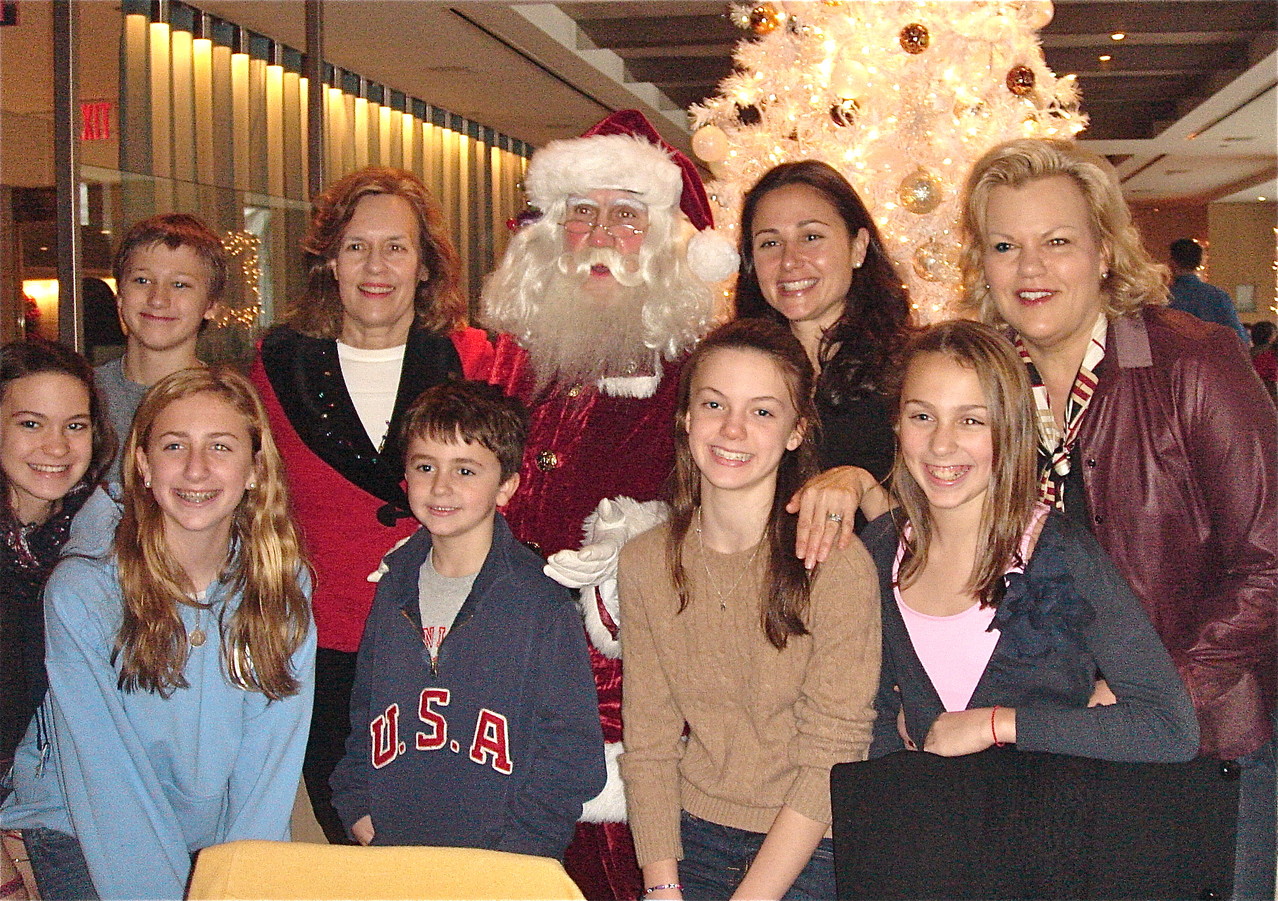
<point x="1054" y="445"/>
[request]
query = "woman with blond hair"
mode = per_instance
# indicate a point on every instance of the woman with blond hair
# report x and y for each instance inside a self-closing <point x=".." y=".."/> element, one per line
<point x="179" y="658"/>
<point x="371" y="333"/>
<point x="1153" y="433"/>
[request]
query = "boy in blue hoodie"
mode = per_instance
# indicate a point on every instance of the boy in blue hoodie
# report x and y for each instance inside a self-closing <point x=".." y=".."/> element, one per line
<point x="474" y="721"/>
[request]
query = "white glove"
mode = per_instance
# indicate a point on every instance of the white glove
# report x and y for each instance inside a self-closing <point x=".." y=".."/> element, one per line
<point x="382" y="567"/>
<point x="595" y="562"/>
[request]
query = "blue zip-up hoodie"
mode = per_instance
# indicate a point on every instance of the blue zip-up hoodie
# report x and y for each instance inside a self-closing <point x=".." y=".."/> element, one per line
<point x="497" y="745"/>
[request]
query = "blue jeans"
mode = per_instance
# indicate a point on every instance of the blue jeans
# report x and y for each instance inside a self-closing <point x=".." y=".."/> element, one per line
<point x="715" y="859"/>
<point x="1254" y="864"/>
<point x="60" y="870"/>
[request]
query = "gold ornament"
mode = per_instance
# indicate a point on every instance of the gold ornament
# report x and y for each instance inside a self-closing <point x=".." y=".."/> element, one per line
<point x="765" y="19"/>
<point x="920" y="191"/>
<point x="710" y="144"/>
<point x="1020" y="80"/>
<point x="844" y="112"/>
<point x="932" y="260"/>
<point x="915" y="38"/>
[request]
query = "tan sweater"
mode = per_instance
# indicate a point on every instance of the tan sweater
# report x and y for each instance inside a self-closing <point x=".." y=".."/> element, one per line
<point x="765" y="726"/>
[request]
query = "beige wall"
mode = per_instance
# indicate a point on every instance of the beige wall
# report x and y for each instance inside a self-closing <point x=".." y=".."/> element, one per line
<point x="1239" y="238"/>
<point x="1242" y="252"/>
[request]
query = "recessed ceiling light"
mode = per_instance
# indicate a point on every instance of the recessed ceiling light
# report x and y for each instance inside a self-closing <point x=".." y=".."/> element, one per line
<point x="1117" y="36"/>
<point x="1262" y="197"/>
<point x="1105" y="57"/>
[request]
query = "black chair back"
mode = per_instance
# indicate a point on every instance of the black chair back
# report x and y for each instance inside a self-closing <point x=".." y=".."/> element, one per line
<point x="1007" y="824"/>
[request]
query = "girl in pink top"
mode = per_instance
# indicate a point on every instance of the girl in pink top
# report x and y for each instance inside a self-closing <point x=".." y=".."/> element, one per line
<point x="970" y="542"/>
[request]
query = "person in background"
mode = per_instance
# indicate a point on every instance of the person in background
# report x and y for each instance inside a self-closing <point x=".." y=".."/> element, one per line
<point x="1263" y="334"/>
<point x="1154" y="433"/>
<point x="998" y="611"/>
<point x="381" y="321"/>
<point x="812" y="258"/>
<point x="180" y="657"/>
<point x="55" y="443"/>
<point x="496" y="658"/>
<point x="1192" y="295"/>
<point x="748" y="675"/>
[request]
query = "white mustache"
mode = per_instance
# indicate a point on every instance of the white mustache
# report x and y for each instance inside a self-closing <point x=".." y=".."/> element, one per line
<point x="624" y="268"/>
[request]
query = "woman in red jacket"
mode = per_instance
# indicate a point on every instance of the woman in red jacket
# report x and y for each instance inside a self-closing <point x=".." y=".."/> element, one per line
<point x="1154" y="432"/>
<point x="382" y="319"/>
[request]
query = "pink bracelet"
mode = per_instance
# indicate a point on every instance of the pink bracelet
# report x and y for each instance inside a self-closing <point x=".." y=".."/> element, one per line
<point x="993" y="731"/>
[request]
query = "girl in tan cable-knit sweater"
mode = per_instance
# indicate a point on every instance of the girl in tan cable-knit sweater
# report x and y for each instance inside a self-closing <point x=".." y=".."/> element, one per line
<point x="772" y="668"/>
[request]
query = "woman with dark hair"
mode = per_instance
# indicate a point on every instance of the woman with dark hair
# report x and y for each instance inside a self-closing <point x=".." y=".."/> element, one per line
<point x="55" y="443"/>
<point x="812" y="259"/>
<point x="748" y="675"/>
<point x="369" y="335"/>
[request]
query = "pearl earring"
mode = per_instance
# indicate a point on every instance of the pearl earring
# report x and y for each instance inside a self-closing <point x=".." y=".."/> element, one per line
<point x="146" y="483"/>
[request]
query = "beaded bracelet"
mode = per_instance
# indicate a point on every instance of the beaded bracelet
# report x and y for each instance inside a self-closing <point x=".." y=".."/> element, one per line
<point x="657" y="888"/>
<point x="993" y="731"/>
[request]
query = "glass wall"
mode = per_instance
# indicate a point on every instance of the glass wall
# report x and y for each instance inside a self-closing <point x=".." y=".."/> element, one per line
<point x="195" y="114"/>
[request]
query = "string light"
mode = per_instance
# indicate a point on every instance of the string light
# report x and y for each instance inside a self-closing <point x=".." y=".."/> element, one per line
<point x="243" y="246"/>
<point x="882" y="91"/>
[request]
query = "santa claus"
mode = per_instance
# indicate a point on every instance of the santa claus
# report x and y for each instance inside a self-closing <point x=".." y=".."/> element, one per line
<point x="597" y="302"/>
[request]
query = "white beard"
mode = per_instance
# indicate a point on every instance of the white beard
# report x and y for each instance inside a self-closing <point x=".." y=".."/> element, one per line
<point x="578" y="337"/>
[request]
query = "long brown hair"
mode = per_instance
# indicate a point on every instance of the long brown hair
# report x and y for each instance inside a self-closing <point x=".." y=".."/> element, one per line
<point x="438" y="304"/>
<point x="265" y="561"/>
<point x="1013" y="488"/>
<point x="783" y="608"/>
<point x="859" y="354"/>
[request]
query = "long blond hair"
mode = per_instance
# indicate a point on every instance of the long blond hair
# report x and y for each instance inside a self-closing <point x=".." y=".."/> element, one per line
<point x="263" y="566"/>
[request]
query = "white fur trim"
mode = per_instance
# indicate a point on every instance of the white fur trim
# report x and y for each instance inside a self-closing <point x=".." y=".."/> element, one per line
<point x="609" y="806"/>
<point x="631" y="518"/>
<point x="639" y="517"/>
<point x="637" y="386"/>
<point x="618" y="162"/>
<point x="711" y="256"/>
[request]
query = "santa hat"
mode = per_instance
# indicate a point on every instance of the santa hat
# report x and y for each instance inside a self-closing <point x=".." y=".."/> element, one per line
<point x="624" y="152"/>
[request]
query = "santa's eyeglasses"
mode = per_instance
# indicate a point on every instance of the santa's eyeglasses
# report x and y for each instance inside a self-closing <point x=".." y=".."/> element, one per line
<point x="617" y="230"/>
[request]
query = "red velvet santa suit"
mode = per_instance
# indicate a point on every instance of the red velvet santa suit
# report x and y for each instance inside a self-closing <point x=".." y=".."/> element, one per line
<point x="584" y="446"/>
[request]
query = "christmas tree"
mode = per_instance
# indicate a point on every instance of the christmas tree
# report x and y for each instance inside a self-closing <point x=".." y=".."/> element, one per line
<point x="901" y="97"/>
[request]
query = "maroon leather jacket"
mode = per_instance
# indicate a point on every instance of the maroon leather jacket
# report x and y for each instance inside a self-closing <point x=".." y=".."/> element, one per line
<point x="1179" y="448"/>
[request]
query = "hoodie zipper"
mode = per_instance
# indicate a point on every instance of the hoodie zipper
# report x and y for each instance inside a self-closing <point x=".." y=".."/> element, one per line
<point x="434" y="658"/>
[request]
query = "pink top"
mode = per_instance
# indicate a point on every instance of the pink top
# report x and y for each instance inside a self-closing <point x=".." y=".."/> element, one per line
<point x="955" y="650"/>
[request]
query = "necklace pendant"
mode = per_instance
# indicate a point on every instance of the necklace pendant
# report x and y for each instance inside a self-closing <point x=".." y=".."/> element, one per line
<point x="196" y="638"/>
